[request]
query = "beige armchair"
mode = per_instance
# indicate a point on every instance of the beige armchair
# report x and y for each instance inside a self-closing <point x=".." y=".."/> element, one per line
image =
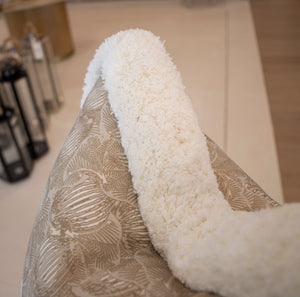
<point x="89" y="238"/>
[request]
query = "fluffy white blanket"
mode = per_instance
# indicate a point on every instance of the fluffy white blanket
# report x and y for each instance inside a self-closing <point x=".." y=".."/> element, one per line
<point x="208" y="246"/>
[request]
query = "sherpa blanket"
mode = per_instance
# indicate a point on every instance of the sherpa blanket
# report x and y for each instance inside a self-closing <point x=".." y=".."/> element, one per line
<point x="207" y="245"/>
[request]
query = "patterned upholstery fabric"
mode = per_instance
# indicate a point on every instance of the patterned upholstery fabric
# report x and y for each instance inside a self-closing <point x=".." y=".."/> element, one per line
<point x="89" y="239"/>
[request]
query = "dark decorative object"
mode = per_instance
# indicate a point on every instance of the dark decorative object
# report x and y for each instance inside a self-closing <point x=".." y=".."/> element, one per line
<point x="12" y="46"/>
<point x="16" y="162"/>
<point x="42" y="57"/>
<point x="17" y="93"/>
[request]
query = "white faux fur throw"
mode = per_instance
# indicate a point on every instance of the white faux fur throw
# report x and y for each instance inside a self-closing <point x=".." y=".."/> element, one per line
<point x="208" y="246"/>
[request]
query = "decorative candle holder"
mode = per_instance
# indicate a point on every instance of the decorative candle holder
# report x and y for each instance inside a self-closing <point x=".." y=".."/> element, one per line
<point x="12" y="47"/>
<point x="17" y="93"/>
<point x="43" y="59"/>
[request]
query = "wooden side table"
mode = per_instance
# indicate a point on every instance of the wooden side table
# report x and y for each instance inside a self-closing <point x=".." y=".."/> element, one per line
<point x="48" y="16"/>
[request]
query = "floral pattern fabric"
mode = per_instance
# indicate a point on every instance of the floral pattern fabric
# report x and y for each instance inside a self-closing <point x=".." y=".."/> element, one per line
<point x="88" y="238"/>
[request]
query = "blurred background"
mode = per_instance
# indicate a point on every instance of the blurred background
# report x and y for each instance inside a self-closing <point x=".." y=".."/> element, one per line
<point x="239" y="61"/>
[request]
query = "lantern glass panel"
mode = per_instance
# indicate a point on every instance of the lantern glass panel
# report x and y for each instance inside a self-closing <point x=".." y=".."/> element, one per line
<point x="46" y="83"/>
<point x="9" y="151"/>
<point x="30" y="110"/>
<point x="22" y="140"/>
<point x="36" y="88"/>
<point x="16" y="162"/>
<point x="7" y="95"/>
<point x="42" y="56"/>
<point x="50" y="57"/>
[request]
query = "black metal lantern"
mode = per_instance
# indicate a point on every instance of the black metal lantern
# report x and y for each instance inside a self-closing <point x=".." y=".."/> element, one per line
<point x="13" y="47"/>
<point x="42" y="54"/>
<point x="18" y="94"/>
<point x="15" y="159"/>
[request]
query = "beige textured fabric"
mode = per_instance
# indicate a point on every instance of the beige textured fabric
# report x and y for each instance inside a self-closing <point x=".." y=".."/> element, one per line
<point x="89" y="239"/>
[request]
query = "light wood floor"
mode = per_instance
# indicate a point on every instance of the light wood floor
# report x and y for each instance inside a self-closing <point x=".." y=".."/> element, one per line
<point x="277" y="24"/>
